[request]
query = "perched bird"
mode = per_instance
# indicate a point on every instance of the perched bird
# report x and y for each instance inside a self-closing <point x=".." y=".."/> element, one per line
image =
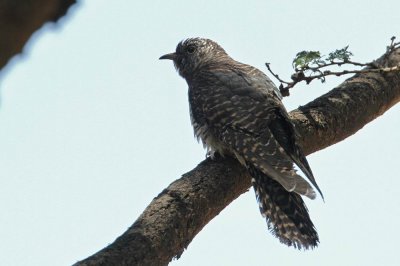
<point x="236" y="110"/>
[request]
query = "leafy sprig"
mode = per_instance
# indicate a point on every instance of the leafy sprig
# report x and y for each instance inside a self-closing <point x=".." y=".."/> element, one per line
<point x="310" y="65"/>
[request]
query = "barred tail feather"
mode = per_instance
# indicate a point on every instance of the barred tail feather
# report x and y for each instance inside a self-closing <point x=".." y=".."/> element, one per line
<point x="286" y="214"/>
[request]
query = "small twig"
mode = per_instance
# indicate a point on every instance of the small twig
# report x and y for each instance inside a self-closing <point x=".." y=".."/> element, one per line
<point x="306" y="62"/>
<point x="345" y="72"/>
<point x="335" y="63"/>
<point x="275" y="75"/>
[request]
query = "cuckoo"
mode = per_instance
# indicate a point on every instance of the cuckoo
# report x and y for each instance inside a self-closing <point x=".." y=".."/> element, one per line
<point x="236" y="110"/>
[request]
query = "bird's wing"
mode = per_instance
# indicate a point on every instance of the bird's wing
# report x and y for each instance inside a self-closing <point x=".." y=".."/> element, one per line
<point x="285" y="133"/>
<point x="264" y="153"/>
<point x="245" y="111"/>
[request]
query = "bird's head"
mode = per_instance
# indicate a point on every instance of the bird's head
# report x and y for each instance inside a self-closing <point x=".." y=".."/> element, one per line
<point x="194" y="53"/>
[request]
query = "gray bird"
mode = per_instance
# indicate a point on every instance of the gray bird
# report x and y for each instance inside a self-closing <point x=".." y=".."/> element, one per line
<point x="236" y="110"/>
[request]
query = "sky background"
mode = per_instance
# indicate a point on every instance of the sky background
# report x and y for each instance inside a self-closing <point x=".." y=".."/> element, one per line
<point x="93" y="126"/>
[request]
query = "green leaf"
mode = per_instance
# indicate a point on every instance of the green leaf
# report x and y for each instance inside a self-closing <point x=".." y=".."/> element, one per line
<point x="340" y="55"/>
<point x="304" y="58"/>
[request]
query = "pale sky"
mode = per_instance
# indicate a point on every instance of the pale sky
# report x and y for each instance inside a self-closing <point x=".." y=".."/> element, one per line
<point x="93" y="126"/>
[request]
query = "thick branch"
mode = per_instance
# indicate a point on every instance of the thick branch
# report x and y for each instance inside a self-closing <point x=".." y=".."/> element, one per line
<point x="19" y="19"/>
<point x="177" y="214"/>
<point x="344" y="110"/>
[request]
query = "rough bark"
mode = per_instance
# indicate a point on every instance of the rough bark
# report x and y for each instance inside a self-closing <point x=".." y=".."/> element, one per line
<point x="20" y="18"/>
<point x="178" y="213"/>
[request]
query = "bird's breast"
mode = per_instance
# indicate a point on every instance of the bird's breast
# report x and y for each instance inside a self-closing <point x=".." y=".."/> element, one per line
<point x="203" y="131"/>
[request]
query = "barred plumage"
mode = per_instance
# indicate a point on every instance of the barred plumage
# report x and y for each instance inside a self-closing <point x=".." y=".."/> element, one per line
<point x="236" y="110"/>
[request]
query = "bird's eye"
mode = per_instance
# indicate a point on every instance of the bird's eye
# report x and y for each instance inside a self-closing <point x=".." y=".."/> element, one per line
<point x="190" y="49"/>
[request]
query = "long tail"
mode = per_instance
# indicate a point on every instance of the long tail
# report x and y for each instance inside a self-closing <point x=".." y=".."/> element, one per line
<point x="286" y="214"/>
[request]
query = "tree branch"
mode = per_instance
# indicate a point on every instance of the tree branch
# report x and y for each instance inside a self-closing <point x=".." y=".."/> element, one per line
<point x="178" y="213"/>
<point x="19" y="19"/>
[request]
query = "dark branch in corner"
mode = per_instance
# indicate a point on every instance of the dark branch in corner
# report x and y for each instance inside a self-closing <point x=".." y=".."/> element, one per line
<point x="309" y="65"/>
<point x="20" y="19"/>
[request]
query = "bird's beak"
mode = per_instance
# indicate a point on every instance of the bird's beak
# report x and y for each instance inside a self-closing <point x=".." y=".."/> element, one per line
<point x="170" y="56"/>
